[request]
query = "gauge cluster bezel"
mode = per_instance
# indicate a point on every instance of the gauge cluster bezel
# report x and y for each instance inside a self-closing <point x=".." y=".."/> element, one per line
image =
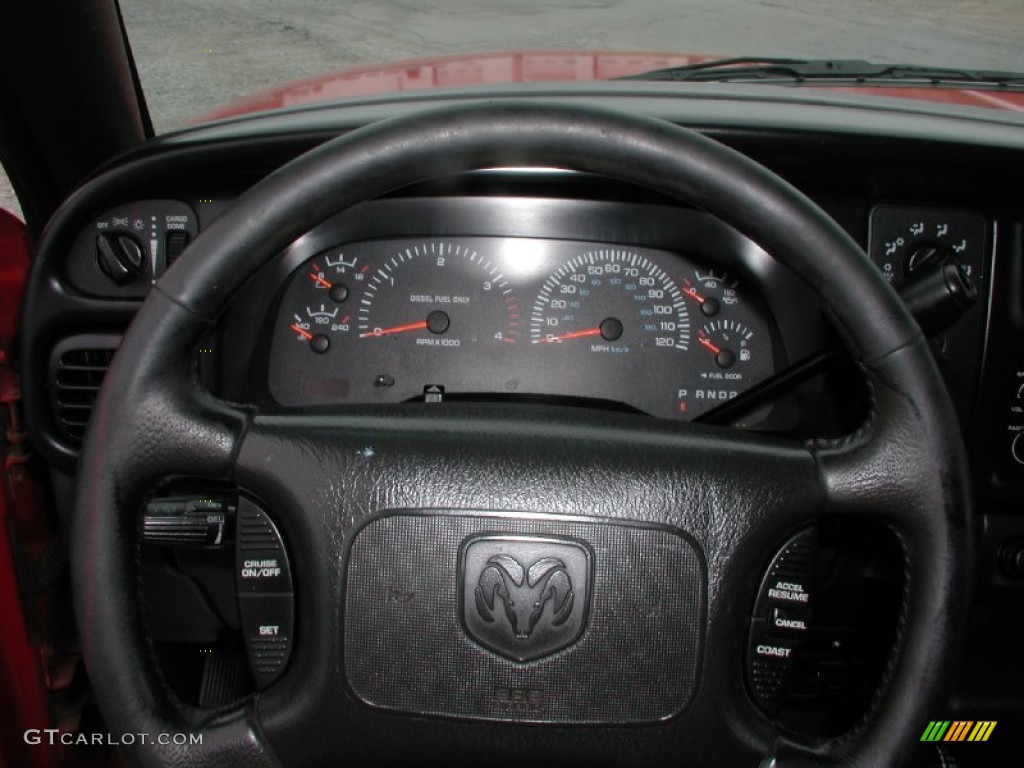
<point x="794" y="322"/>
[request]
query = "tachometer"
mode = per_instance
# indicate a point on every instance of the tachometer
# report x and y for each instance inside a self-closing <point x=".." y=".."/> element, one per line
<point x="438" y="295"/>
<point x="387" y="321"/>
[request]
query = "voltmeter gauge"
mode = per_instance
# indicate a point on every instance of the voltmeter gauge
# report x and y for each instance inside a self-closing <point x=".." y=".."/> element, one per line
<point x="320" y="312"/>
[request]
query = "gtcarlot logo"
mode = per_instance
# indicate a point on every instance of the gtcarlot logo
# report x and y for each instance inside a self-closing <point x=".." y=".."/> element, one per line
<point x="54" y="736"/>
<point x="958" y="730"/>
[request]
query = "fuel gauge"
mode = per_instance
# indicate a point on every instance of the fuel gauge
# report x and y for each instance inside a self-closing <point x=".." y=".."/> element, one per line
<point x="734" y="343"/>
<point x="729" y="341"/>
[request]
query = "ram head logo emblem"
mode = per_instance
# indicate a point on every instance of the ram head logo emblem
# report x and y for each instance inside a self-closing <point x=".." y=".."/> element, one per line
<point x="524" y="597"/>
<point x="524" y="593"/>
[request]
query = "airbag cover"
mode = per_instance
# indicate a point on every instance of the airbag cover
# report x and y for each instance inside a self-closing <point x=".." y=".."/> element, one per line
<point x="526" y="617"/>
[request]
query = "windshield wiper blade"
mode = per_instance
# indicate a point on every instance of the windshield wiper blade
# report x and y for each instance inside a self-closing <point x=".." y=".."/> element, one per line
<point x="836" y="70"/>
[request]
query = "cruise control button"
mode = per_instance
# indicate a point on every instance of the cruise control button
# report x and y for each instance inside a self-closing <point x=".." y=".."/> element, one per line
<point x="788" y="578"/>
<point x="780" y="620"/>
<point x="267" y="623"/>
<point x="769" y="667"/>
<point x="789" y="592"/>
<point x="790" y="620"/>
<point x="261" y="562"/>
<point x="768" y="650"/>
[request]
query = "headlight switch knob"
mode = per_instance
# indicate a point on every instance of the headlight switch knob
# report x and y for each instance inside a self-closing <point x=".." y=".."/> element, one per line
<point x="120" y="256"/>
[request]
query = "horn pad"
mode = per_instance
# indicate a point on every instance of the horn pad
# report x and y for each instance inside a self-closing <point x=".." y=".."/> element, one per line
<point x="522" y="617"/>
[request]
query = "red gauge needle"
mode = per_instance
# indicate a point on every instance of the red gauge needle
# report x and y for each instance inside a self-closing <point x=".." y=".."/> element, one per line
<point x="395" y="329"/>
<point x="315" y="277"/>
<point x="302" y="332"/>
<point x="693" y="294"/>
<point x="572" y="335"/>
<point x="706" y="342"/>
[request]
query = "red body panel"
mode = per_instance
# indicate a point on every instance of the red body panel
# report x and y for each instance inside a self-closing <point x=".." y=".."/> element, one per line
<point x="535" y="67"/>
<point x="14" y="258"/>
<point x="1011" y="101"/>
<point x="23" y="698"/>
<point x="454" y="71"/>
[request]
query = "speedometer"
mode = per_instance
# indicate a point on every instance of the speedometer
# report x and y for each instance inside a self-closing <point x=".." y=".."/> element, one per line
<point x="611" y="302"/>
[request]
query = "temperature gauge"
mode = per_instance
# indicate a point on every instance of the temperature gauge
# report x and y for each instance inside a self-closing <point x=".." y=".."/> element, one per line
<point x="317" y="325"/>
<point x="326" y="294"/>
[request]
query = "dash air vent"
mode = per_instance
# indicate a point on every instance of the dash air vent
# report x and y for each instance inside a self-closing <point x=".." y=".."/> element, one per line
<point x="77" y="368"/>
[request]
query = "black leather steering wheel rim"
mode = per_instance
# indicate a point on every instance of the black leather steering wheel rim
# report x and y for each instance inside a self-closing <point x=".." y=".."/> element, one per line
<point x="905" y="465"/>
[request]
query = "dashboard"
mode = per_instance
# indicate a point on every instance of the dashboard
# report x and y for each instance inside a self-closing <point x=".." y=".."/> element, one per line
<point x="531" y="296"/>
<point x="520" y="287"/>
<point x="652" y="308"/>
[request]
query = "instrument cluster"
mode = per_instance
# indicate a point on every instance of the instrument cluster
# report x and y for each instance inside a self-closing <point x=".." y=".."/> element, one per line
<point x="406" y="319"/>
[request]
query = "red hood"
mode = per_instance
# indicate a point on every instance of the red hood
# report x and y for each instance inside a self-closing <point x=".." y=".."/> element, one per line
<point x="534" y="67"/>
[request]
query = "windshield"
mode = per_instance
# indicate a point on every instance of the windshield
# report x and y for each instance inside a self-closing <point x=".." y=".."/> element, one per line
<point x="194" y="57"/>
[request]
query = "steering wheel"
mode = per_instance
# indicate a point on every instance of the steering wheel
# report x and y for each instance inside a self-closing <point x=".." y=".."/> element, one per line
<point x="705" y="505"/>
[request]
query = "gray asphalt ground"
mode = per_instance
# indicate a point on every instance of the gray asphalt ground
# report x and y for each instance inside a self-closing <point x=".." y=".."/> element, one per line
<point x="194" y="55"/>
